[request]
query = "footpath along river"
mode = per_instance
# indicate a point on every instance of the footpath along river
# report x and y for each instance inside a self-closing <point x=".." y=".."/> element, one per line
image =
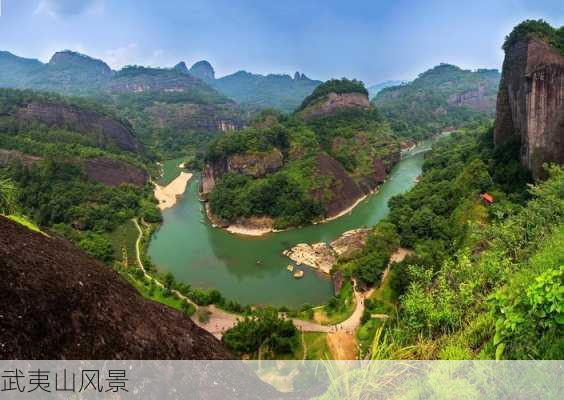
<point x="252" y="270"/>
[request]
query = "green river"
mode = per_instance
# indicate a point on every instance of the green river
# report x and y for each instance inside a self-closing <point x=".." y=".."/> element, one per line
<point x="252" y="270"/>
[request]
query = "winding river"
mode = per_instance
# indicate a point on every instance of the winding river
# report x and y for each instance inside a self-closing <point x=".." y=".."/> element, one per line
<point x="252" y="270"/>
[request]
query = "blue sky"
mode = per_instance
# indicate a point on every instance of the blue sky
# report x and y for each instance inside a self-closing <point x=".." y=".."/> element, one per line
<point x="369" y="40"/>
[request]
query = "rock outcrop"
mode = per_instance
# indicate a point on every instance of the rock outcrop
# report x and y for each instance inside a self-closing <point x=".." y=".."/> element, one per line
<point x="106" y="131"/>
<point x="530" y="103"/>
<point x="341" y="191"/>
<point x="113" y="173"/>
<point x="335" y="102"/>
<point x="256" y="164"/>
<point x="59" y="303"/>
<point x="203" y="70"/>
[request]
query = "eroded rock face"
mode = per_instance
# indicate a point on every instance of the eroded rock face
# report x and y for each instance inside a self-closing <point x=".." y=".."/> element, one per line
<point x="107" y="131"/>
<point x="257" y="165"/>
<point x="476" y="99"/>
<point x="58" y="303"/>
<point x="114" y="172"/>
<point x="334" y="102"/>
<point x="530" y="103"/>
<point x="341" y="192"/>
<point x="197" y="117"/>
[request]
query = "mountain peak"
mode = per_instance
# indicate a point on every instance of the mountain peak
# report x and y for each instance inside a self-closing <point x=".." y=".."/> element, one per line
<point x="181" y="67"/>
<point x="203" y="70"/>
<point x="70" y="59"/>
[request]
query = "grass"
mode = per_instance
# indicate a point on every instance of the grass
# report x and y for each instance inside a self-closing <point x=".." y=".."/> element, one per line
<point x="317" y="347"/>
<point x="124" y="237"/>
<point x="328" y="315"/>
<point x="25" y="222"/>
<point x="144" y="288"/>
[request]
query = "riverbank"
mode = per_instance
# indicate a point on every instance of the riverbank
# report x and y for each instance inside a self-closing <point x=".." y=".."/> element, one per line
<point x="168" y="195"/>
<point x="260" y="226"/>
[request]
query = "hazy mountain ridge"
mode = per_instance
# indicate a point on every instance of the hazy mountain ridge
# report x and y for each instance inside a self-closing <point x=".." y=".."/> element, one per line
<point x="444" y="97"/>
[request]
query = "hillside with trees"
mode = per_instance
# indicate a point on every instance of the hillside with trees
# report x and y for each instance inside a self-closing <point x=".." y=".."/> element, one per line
<point x="68" y="174"/>
<point x="440" y="99"/>
<point x="295" y="172"/>
<point x="483" y="280"/>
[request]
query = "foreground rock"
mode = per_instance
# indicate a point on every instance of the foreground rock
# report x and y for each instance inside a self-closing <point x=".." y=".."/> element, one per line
<point x="59" y="303"/>
<point x="530" y="103"/>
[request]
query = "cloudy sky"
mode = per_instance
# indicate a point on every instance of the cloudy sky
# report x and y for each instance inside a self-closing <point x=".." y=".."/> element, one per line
<point x="372" y="40"/>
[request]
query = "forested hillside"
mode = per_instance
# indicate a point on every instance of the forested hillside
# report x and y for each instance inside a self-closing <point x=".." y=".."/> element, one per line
<point x="70" y="173"/>
<point x="484" y="279"/>
<point x="294" y="171"/>
<point x="442" y="98"/>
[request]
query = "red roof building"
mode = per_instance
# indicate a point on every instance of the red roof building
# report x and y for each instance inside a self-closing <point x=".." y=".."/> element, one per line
<point x="487" y="198"/>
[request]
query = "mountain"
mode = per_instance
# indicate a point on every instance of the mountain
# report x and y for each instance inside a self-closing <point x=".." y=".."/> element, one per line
<point x="292" y="171"/>
<point x="442" y="98"/>
<point x="61" y="304"/>
<point x="17" y="71"/>
<point x="375" y="89"/>
<point x="530" y="104"/>
<point x="95" y="125"/>
<point x="281" y="92"/>
<point x="203" y="70"/>
<point x="155" y="101"/>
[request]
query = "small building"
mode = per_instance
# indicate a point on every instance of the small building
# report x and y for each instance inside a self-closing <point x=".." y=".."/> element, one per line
<point x="487" y="198"/>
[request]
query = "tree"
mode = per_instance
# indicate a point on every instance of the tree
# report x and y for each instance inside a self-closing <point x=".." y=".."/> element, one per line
<point x="8" y="194"/>
<point x="97" y="246"/>
<point x="266" y="330"/>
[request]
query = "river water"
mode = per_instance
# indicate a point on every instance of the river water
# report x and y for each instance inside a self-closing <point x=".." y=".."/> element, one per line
<point x="252" y="270"/>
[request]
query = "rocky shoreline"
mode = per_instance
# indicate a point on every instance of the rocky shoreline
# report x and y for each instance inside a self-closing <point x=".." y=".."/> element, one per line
<point x="323" y="256"/>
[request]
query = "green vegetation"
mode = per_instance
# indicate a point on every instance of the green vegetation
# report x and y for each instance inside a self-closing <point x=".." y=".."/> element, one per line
<point x="539" y="29"/>
<point x="123" y="240"/>
<point x="430" y="104"/>
<point x="338" y="86"/>
<point x="8" y="192"/>
<point x="486" y="280"/>
<point x="296" y="193"/>
<point x="264" y="331"/>
<point x="53" y="188"/>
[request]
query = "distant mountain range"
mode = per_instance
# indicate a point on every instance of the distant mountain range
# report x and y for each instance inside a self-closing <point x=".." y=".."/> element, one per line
<point x="442" y="98"/>
<point x="69" y="72"/>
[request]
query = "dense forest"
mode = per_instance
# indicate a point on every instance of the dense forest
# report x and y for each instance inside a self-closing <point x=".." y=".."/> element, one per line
<point x="484" y="280"/>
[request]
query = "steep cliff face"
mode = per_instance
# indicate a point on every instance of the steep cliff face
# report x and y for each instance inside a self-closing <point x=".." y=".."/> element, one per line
<point x="59" y="303"/>
<point x="335" y="102"/>
<point x="530" y="103"/>
<point x="106" y="130"/>
<point x="255" y="164"/>
<point x="196" y="117"/>
<point x="111" y="172"/>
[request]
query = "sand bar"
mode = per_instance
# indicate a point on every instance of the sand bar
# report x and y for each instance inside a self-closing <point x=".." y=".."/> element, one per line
<point x="168" y="195"/>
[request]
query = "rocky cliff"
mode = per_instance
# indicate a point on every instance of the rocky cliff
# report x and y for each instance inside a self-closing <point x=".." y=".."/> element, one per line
<point x="530" y="103"/>
<point x="105" y="130"/>
<point x="59" y="303"/>
<point x="255" y="164"/>
<point x="334" y="102"/>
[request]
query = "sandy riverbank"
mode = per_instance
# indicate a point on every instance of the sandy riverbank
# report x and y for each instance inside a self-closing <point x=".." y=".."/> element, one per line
<point x="168" y="195"/>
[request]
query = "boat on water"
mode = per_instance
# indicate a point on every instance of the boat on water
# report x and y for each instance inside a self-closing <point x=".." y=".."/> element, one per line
<point x="290" y="267"/>
<point x="298" y="274"/>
